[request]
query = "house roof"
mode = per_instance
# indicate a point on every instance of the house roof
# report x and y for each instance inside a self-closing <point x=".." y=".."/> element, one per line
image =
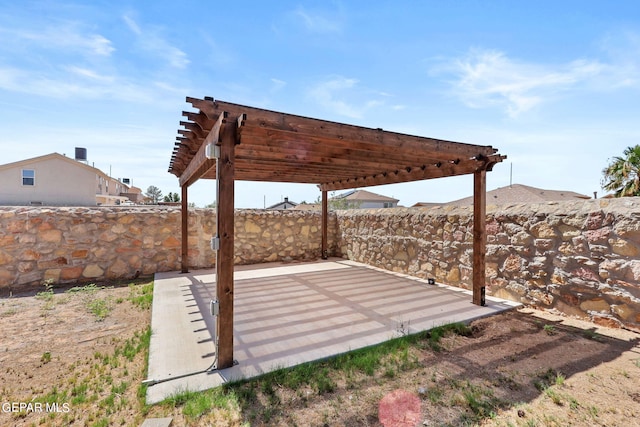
<point x="518" y="193"/>
<point x="58" y="156"/>
<point x="45" y="157"/>
<point x="280" y="147"/>
<point x="365" y="196"/>
<point x="426" y="205"/>
<point x="283" y="204"/>
<point x="308" y="207"/>
<point x="49" y="157"/>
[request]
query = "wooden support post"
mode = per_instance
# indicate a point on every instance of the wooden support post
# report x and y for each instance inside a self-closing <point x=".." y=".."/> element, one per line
<point x="185" y="230"/>
<point x="325" y="224"/>
<point x="225" y="257"/>
<point x="479" y="235"/>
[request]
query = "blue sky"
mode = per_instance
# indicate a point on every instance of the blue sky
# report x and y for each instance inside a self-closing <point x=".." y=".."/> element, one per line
<point x="555" y="85"/>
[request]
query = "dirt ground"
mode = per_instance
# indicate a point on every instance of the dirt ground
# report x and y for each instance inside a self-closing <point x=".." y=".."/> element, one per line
<point x="78" y="357"/>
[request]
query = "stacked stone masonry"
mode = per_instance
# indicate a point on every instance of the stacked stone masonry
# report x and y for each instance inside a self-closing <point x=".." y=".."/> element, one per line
<point x="70" y="245"/>
<point x="580" y="258"/>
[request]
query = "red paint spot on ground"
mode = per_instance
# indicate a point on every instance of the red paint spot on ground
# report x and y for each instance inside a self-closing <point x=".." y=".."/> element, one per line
<point x="399" y="409"/>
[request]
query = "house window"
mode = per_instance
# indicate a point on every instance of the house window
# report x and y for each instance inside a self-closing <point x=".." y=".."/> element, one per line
<point x="388" y="204"/>
<point x="28" y="177"/>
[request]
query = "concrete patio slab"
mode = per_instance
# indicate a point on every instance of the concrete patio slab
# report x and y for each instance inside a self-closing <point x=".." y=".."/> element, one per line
<point x="288" y="314"/>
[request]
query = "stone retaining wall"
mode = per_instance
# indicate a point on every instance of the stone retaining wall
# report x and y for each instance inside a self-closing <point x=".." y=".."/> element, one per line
<point x="580" y="258"/>
<point x="68" y="245"/>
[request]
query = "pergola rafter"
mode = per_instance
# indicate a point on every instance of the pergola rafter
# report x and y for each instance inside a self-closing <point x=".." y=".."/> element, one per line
<point x="261" y="145"/>
<point x="330" y="152"/>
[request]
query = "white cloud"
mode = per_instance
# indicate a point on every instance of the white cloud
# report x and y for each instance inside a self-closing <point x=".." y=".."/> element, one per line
<point x="320" y="22"/>
<point x="133" y="26"/>
<point x="100" y="45"/>
<point x="490" y="78"/>
<point x="169" y="88"/>
<point x="64" y="36"/>
<point x="90" y="74"/>
<point x="623" y="51"/>
<point x="215" y="53"/>
<point x="151" y="41"/>
<point x="277" y="85"/>
<point x="327" y="94"/>
<point x="83" y="83"/>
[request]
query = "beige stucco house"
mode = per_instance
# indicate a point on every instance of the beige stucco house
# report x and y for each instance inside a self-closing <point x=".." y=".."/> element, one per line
<point x="355" y="199"/>
<point x="57" y="180"/>
<point x="363" y="199"/>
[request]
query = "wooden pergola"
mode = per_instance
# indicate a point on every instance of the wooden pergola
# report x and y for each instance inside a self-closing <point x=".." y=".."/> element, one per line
<point x="228" y="142"/>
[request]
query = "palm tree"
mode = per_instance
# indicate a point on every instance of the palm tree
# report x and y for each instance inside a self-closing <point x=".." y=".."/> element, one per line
<point x="623" y="174"/>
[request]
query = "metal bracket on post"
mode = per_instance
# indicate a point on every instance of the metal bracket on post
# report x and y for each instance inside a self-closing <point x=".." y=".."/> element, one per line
<point x="215" y="307"/>
<point x="212" y="151"/>
<point x="215" y="243"/>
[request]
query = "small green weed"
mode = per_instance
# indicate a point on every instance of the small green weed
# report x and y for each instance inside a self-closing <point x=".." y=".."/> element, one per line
<point x="141" y="295"/>
<point x="100" y="308"/>
<point x="323" y="382"/>
<point x="54" y="396"/>
<point x="79" y="393"/>
<point x="131" y="347"/>
<point x="9" y="312"/>
<point x="435" y="335"/>
<point x="573" y="403"/>
<point x="90" y="289"/>
<point x="435" y="394"/>
<point x="46" y="357"/>
<point x="591" y="334"/>
<point x="204" y="402"/>
<point x="198" y="405"/>
<point x="102" y="422"/>
<point x="180" y="398"/>
<point x="47" y="294"/>
<point x="120" y="389"/>
<point x="545" y="379"/>
<point x="360" y="360"/>
<point x="554" y="396"/>
<point x="549" y="329"/>
<point x="480" y="400"/>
